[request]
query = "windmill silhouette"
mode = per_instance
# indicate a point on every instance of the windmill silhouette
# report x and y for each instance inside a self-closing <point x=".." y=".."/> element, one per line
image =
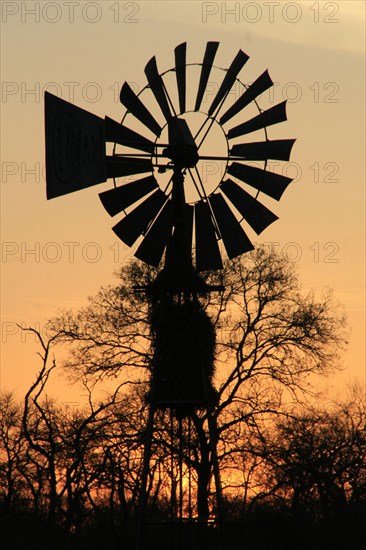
<point x="169" y="212"/>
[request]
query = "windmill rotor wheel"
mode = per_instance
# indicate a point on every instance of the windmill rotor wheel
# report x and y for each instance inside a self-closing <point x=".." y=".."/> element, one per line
<point x="214" y="211"/>
<point x="183" y="139"/>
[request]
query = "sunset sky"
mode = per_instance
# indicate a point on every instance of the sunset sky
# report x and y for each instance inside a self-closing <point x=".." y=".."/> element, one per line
<point x="56" y="253"/>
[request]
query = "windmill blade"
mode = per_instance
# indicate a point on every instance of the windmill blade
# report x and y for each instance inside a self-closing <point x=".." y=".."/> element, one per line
<point x="211" y="49"/>
<point x="119" y="198"/>
<point x="135" y="106"/>
<point x="254" y="90"/>
<point x="152" y="247"/>
<point x="126" y="166"/>
<point x="257" y="215"/>
<point x="266" y="118"/>
<point x="180" y="53"/>
<point x="233" y="235"/>
<point x="279" y="149"/>
<point x="231" y="74"/>
<point x="135" y="223"/>
<point x="207" y="250"/>
<point x="157" y="87"/>
<point x="117" y="133"/>
<point x="269" y="183"/>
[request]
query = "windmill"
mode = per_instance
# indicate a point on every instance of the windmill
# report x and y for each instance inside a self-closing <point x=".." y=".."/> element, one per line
<point x="174" y="216"/>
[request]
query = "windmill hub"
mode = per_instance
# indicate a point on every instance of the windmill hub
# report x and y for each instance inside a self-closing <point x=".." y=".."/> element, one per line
<point x="184" y="157"/>
<point x="182" y="149"/>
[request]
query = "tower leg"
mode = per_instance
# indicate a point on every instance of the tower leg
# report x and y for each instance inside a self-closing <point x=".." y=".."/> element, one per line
<point x="143" y="484"/>
<point x="215" y="463"/>
<point x="216" y="471"/>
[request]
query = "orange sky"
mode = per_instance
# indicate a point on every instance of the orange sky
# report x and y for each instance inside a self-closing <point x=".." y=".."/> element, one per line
<point x="56" y="253"/>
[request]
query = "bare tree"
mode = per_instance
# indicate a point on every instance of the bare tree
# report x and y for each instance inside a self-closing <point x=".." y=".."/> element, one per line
<point x="315" y="458"/>
<point x="271" y="338"/>
<point x="77" y="462"/>
<point x="12" y="451"/>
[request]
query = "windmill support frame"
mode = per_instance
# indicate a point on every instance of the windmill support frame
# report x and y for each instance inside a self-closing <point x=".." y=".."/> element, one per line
<point x="177" y="514"/>
<point x="165" y="393"/>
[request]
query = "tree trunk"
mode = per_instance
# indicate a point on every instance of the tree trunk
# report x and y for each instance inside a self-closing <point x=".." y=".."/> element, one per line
<point x="204" y="474"/>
